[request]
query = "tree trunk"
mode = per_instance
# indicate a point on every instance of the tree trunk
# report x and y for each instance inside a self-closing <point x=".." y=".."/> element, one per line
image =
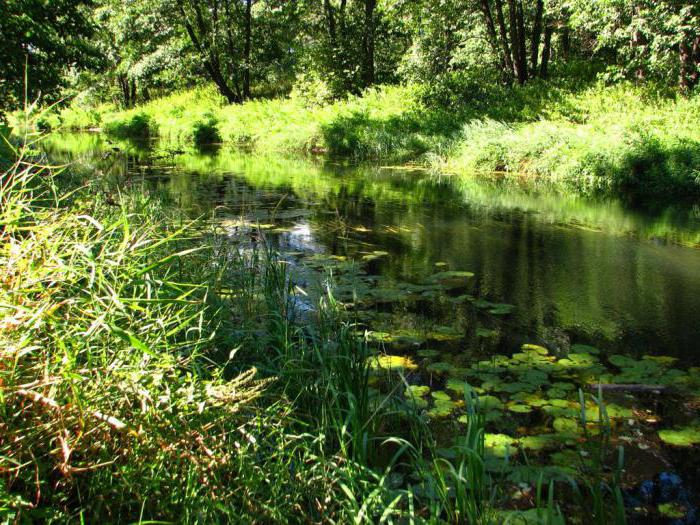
<point x="124" y="88"/>
<point x="209" y="59"/>
<point x="491" y="32"/>
<point x="689" y="54"/>
<point x="546" y="50"/>
<point x="695" y="75"/>
<point x="522" y="47"/>
<point x="637" y="41"/>
<point x="368" y="44"/>
<point x="686" y="58"/>
<point x="565" y="39"/>
<point x="516" y="41"/>
<point x="246" y="49"/>
<point x="330" y="20"/>
<point x="507" y="56"/>
<point x="133" y="92"/>
<point x="536" y="35"/>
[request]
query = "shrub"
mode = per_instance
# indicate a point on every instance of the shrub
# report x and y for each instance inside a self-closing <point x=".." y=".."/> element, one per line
<point x="131" y="125"/>
<point x="206" y="131"/>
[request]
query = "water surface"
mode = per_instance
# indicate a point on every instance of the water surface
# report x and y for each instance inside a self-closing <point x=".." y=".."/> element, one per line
<point x="576" y="270"/>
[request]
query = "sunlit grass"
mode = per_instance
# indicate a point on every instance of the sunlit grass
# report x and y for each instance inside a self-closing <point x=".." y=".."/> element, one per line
<point x="623" y="139"/>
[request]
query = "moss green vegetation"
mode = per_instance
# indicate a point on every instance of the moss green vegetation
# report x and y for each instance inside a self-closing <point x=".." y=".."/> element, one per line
<point x="625" y="139"/>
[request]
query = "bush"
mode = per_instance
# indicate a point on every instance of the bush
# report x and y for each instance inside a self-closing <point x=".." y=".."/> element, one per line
<point x="206" y="131"/>
<point x="311" y="90"/>
<point x="136" y="125"/>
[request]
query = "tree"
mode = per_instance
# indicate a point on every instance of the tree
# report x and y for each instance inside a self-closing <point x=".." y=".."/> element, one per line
<point x="352" y="44"/>
<point x="519" y="37"/>
<point x="654" y="39"/>
<point x="50" y="38"/>
<point x="141" y="49"/>
<point x="237" y="41"/>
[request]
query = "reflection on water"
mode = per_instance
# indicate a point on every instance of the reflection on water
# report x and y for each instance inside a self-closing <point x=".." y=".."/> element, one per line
<point x="576" y="270"/>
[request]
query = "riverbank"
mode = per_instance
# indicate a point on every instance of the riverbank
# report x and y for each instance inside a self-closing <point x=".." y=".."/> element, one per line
<point x="623" y="140"/>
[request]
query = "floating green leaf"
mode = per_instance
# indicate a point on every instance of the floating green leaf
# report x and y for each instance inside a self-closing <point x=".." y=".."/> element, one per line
<point x="428" y="353"/>
<point x="566" y="425"/>
<point x="540" y="442"/>
<point x="500" y="445"/>
<point x="519" y="408"/>
<point x="452" y="279"/>
<point x="417" y="391"/>
<point x="393" y="362"/>
<point x="439" y="367"/>
<point x="682" y="437"/>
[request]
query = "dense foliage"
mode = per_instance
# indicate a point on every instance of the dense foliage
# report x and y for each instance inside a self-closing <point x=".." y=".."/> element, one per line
<point x="330" y="48"/>
<point x="156" y="368"/>
<point x="48" y="41"/>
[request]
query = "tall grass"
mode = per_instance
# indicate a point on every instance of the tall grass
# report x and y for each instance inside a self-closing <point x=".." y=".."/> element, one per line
<point x="122" y="397"/>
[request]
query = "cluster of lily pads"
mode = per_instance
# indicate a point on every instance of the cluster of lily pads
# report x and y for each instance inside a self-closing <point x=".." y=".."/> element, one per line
<point x="534" y="400"/>
<point x="531" y="400"/>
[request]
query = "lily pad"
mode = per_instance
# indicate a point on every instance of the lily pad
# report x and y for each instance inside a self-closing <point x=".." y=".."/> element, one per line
<point x="393" y="362"/>
<point x="457" y="386"/>
<point x="486" y="333"/>
<point x="584" y="349"/>
<point x="540" y="442"/>
<point x="442" y="407"/>
<point x="452" y="279"/>
<point x="418" y="402"/>
<point x="616" y="411"/>
<point x="489" y="403"/>
<point x="536" y="349"/>
<point x="682" y="437"/>
<point x="374" y="255"/>
<point x="440" y="395"/>
<point x="672" y="510"/>
<point x="520" y="408"/>
<point x="533" y="400"/>
<point x="500" y="445"/>
<point x="417" y="391"/>
<point x="567" y="387"/>
<point x="566" y="425"/>
<point x="440" y="367"/>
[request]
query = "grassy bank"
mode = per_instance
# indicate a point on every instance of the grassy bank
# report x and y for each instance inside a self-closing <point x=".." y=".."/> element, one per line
<point x="625" y="140"/>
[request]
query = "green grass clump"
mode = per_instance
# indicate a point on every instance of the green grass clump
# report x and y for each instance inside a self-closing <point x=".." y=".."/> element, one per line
<point x="620" y="140"/>
<point x="206" y="132"/>
<point x="135" y="124"/>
